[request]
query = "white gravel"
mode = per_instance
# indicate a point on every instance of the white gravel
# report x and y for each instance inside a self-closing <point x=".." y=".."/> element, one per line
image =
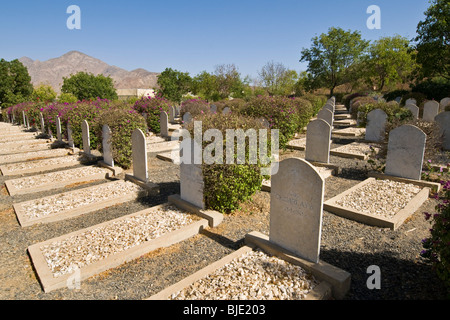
<point x="55" y="204"/>
<point x="253" y="276"/>
<point x="35" y="155"/>
<point x="28" y="165"/>
<point x="380" y="197"/>
<point x="96" y="244"/>
<point x="358" y="148"/>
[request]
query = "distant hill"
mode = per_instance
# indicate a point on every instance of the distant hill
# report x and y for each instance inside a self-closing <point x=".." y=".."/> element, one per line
<point x="52" y="71"/>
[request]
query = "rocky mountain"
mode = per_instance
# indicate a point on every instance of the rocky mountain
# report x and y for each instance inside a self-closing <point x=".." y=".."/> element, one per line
<point x="52" y="71"/>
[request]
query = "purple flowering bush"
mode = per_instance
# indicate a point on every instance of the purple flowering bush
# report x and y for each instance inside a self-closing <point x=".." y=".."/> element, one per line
<point x="437" y="246"/>
<point x="152" y="107"/>
<point x="195" y="107"/>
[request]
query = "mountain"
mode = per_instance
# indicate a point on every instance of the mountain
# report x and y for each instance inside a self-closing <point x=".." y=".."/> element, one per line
<point x="52" y="71"/>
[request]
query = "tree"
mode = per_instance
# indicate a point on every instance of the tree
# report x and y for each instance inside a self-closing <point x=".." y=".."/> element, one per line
<point x="331" y="56"/>
<point x="433" y="40"/>
<point x="277" y="79"/>
<point x="205" y="86"/>
<point x="44" y="93"/>
<point x="229" y="82"/>
<point x="15" y="83"/>
<point x="388" y="62"/>
<point x="87" y="86"/>
<point x="174" y="84"/>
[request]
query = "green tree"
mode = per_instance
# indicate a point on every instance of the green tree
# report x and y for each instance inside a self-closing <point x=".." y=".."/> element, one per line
<point x="331" y="56"/>
<point x="15" y="83"/>
<point x="388" y="62"/>
<point x="205" y="85"/>
<point x="277" y="79"/>
<point x="229" y="82"/>
<point x="433" y="40"/>
<point x="44" y="93"/>
<point x="174" y="84"/>
<point x="87" y="86"/>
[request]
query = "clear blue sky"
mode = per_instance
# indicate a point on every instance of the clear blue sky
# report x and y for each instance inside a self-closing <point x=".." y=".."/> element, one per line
<point x="192" y="35"/>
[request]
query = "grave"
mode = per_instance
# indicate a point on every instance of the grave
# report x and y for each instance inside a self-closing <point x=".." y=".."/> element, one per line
<point x="406" y="148"/>
<point x="414" y="110"/>
<point x="376" y="124"/>
<point x="35" y="155"/>
<point x="41" y="118"/>
<point x="226" y="110"/>
<point x="187" y="119"/>
<point x="164" y="124"/>
<point x="349" y="132"/>
<point x="355" y="150"/>
<point x="318" y="140"/>
<point x="443" y="103"/>
<point x="140" y="162"/>
<point x="443" y="121"/>
<point x="327" y="115"/>
<point x="430" y="110"/>
<point x="58" y="129"/>
<point x="384" y="203"/>
<point x="23" y="147"/>
<point x="108" y="158"/>
<point x="86" y="138"/>
<point x="294" y="237"/>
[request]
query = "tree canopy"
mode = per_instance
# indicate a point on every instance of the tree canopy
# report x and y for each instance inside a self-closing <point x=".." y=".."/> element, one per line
<point x="15" y="83"/>
<point x="173" y="84"/>
<point x="87" y="86"/>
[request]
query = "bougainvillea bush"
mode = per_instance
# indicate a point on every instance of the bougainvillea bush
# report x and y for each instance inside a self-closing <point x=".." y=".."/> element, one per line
<point x="437" y="246"/>
<point x="152" y="107"/>
<point x="195" y="107"/>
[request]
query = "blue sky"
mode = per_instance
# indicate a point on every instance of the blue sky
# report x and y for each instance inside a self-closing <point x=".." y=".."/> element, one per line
<point x="195" y="35"/>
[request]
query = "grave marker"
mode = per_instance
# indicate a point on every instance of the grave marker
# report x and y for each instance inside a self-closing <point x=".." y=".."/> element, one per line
<point x="226" y="110"/>
<point x="318" y="140"/>
<point x="164" y="124"/>
<point x="58" y="129"/>
<point x="443" y="121"/>
<point x="327" y="115"/>
<point x="444" y="102"/>
<point x="406" y="148"/>
<point x="86" y="137"/>
<point x="187" y="118"/>
<point x="414" y="110"/>
<point x="41" y="117"/>
<point x="213" y="108"/>
<point x="70" y="136"/>
<point x="191" y="175"/>
<point x="107" y="146"/>
<point x="376" y="124"/>
<point x="171" y="114"/>
<point x="296" y="202"/>
<point x="430" y="110"/>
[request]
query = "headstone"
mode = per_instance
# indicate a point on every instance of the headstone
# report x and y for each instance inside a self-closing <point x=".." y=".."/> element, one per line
<point x="444" y="102"/>
<point x="398" y="99"/>
<point x="41" y="117"/>
<point x="376" y="125"/>
<point x="406" y="148"/>
<point x="171" y="114"/>
<point x="213" y="108"/>
<point x="296" y="208"/>
<point x="164" y="124"/>
<point x="226" y="110"/>
<point x="86" y="137"/>
<point x="24" y="119"/>
<point x="107" y="146"/>
<point x="139" y="154"/>
<point x="327" y="115"/>
<point x="27" y="121"/>
<point x="264" y="122"/>
<point x="70" y="136"/>
<point x="191" y="175"/>
<point x="329" y="107"/>
<point x="443" y="121"/>
<point x="411" y="101"/>
<point x="318" y="140"/>
<point x="430" y="110"/>
<point x="58" y="129"/>
<point x="414" y="110"/>
<point x="187" y="118"/>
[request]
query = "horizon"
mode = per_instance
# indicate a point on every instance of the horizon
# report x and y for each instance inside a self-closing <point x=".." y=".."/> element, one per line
<point x="196" y="36"/>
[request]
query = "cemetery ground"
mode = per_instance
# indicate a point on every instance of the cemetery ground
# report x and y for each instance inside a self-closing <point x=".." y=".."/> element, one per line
<point x="346" y="244"/>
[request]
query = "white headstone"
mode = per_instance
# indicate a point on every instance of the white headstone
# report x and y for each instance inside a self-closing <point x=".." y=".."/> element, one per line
<point x="406" y="148"/>
<point x="187" y="118"/>
<point x="444" y="102"/>
<point x="107" y="146"/>
<point x="24" y="119"/>
<point x="430" y="110"/>
<point x="376" y="125"/>
<point x="329" y="107"/>
<point x="86" y="137"/>
<point x="58" y="129"/>
<point x="318" y="141"/>
<point x="443" y="121"/>
<point x="213" y="108"/>
<point x="414" y="110"/>
<point x="171" y="114"/>
<point x="327" y="115"/>
<point x="296" y="208"/>
<point x="226" y="110"/>
<point x="139" y="153"/>
<point x="41" y="117"/>
<point x="191" y="175"/>
<point x="411" y="101"/>
<point x="70" y="136"/>
<point x="164" y="124"/>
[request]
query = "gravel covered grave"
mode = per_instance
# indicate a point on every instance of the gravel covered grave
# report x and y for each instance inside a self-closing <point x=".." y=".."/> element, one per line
<point x="380" y="197"/>
<point x="252" y="276"/>
<point x="29" y="165"/>
<point x="96" y="244"/>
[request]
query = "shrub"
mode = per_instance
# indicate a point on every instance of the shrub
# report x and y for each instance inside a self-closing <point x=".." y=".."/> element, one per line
<point x="393" y="111"/>
<point x="437" y="88"/>
<point x="152" y="106"/>
<point x="419" y="97"/>
<point x="195" y="107"/>
<point x="390" y="96"/>
<point x="122" y="120"/>
<point x="437" y="246"/>
<point x="235" y="105"/>
<point x="228" y="185"/>
<point x="357" y="103"/>
<point x="348" y="98"/>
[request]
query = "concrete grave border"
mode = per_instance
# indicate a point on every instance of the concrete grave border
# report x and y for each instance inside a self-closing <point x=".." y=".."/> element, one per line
<point x="370" y="219"/>
<point x="24" y="222"/>
<point x="333" y="282"/>
<point x="335" y="152"/>
<point x="30" y="156"/>
<point x="49" y="283"/>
